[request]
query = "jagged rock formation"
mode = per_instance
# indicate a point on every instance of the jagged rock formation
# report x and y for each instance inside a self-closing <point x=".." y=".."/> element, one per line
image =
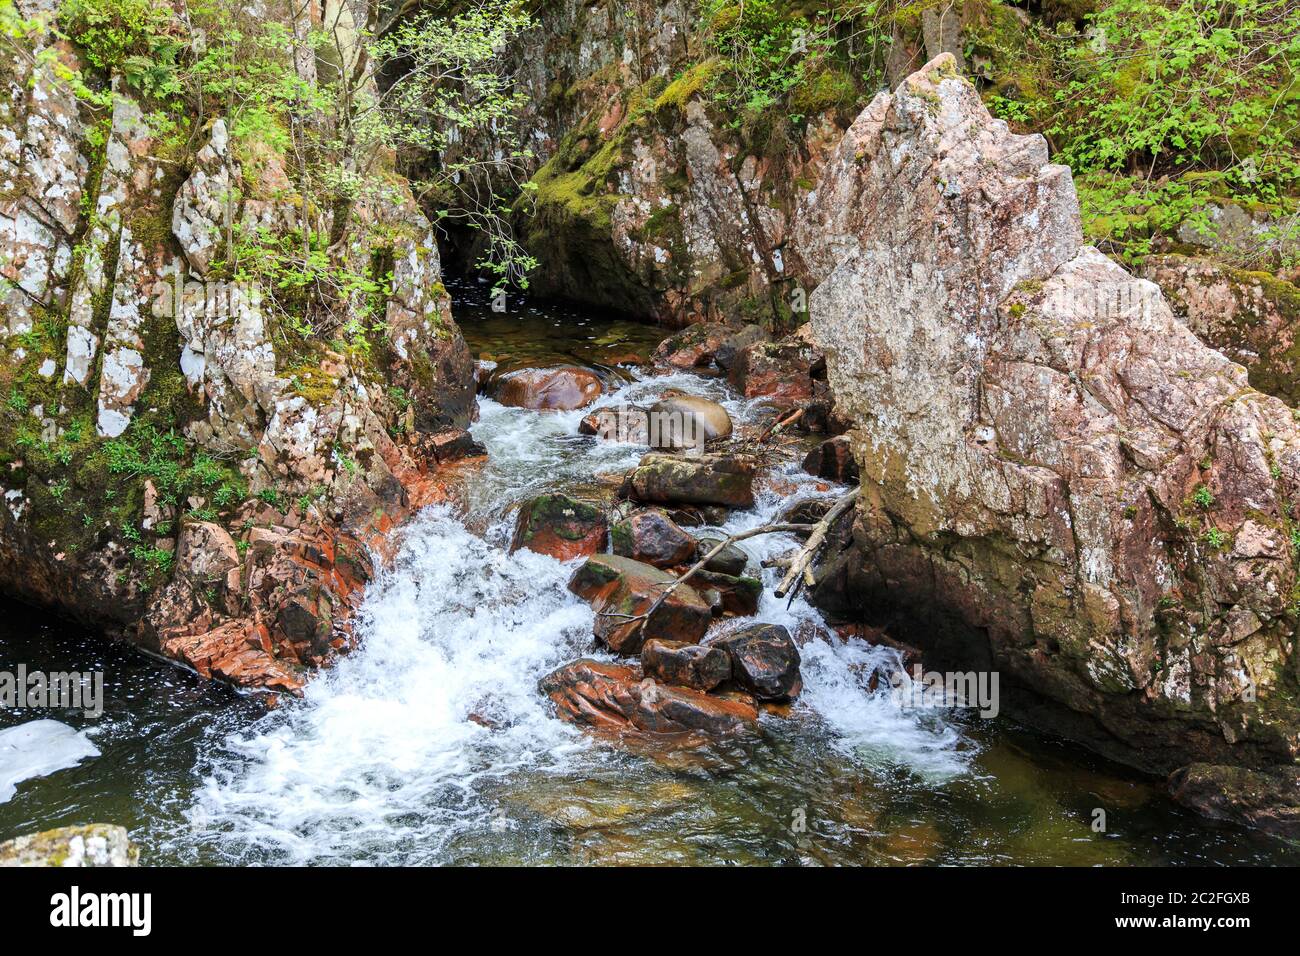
<point x="130" y="358"/>
<point x="1058" y="479"/>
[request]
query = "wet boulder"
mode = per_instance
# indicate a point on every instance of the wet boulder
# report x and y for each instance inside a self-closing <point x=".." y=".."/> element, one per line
<point x="703" y="480"/>
<point x="1267" y="798"/>
<point x="687" y="665"/>
<point x="563" y="389"/>
<point x="687" y="421"/>
<point x="833" y="459"/>
<point x="619" y="588"/>
<point x="624" y="423"/>
<point x="560" y="526"/>
<point x="764" y="661"/>
<point x="730" y="560"/>
<point x="737" y="596"/>
<point x="692" y="348"/>
<point x="616" y="699"/>
<point x="781" y="372"/>
<point x="652" y="537"/>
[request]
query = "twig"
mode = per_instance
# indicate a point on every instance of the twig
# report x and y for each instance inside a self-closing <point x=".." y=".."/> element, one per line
<point x="779" y="424"/>
<point x="714" y="552"/>
<point x="800" y="567"/>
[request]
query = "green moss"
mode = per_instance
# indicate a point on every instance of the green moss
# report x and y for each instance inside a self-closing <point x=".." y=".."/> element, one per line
<point x="690" y="83"/>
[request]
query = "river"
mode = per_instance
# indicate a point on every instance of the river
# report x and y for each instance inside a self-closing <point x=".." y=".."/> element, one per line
<point x="431" y="745"/>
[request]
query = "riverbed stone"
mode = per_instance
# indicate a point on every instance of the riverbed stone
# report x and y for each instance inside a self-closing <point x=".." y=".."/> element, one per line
<point x="1267" y="799"/>
<point x="561" y="389"/>
<point x="764" y="660"/>
<point x="704" y="480"/>
<point x="619" y="587"/>
<point x="692" y="348"/>
<point x="618" y="699"/>
<point x="687" y="421"/>
<point x="88" y="845"/>
<point x="686" y="665"/>
<point x="738" y="596"/>
<point x="560" y="526"/>
<point x="625" y="423"/>
<point x="651" y="536"/>
<point x="730" y="560"/>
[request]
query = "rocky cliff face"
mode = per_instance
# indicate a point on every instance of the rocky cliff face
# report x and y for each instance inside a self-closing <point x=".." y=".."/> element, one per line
<point x="1059" y="479"/>
<point x="183" y="463"/>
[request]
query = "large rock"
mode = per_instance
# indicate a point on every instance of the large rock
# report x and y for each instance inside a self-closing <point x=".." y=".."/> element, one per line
<point x="616" y="699"/>
<point x="651" y="536"/>
<point x="619" y="588"/>
<point x="1268" y="799"/>
<point x="764" y="660"/>
<point x="687" y="421"/>
<point x="94" y="844"/>
<point x="1059" y="480"/>
<point x="560" y="526"/>
<point x="780" y="372"/>
<point x="688" y="665"/>
<point x="737" y="596"/>
<point x="561" y="389"/>
<point x="704" y="480"/>
<point x="1252" y="317"/>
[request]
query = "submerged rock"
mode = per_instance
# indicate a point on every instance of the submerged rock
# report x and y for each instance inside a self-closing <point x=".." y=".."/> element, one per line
<point x="94" y="844"/>
<point x="619" y="588"/>
<point x="704" y="480"/>
<point x="688" y="665"/>
<point x="617" y="699"/>
<point x="560" y="526"/>
<point x="651" y="536"/>
<point x="764" y="661"/>
<point x="561" y="389"/>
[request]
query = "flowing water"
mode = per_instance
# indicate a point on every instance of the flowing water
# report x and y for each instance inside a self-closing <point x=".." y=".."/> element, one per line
<point x="431" y="744"/>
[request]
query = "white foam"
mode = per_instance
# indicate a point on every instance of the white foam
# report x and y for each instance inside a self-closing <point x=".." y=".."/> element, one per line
<point x="39" y="748"/>
<point x="383" y="761"/>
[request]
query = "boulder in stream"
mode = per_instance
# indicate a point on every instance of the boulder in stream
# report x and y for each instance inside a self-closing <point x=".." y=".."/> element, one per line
<point x="653" y="537"/>
<point x="619" y="588"/>
<point x="764" y="661"/>
<point x="560" y="526"/>
<point x="618" y="699"/>
<point x="687" y="421"/>
<point x="730" y="560"/>
<point x="781" y="372"/>
<point x="833" y="459"/>
<point x="688" y="665"/>
<point x="562" y="389"/>
<point x="704" y="480"/>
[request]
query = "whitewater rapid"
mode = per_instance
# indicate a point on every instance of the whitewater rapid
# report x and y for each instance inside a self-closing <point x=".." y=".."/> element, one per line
<point x="415" y="747"/>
